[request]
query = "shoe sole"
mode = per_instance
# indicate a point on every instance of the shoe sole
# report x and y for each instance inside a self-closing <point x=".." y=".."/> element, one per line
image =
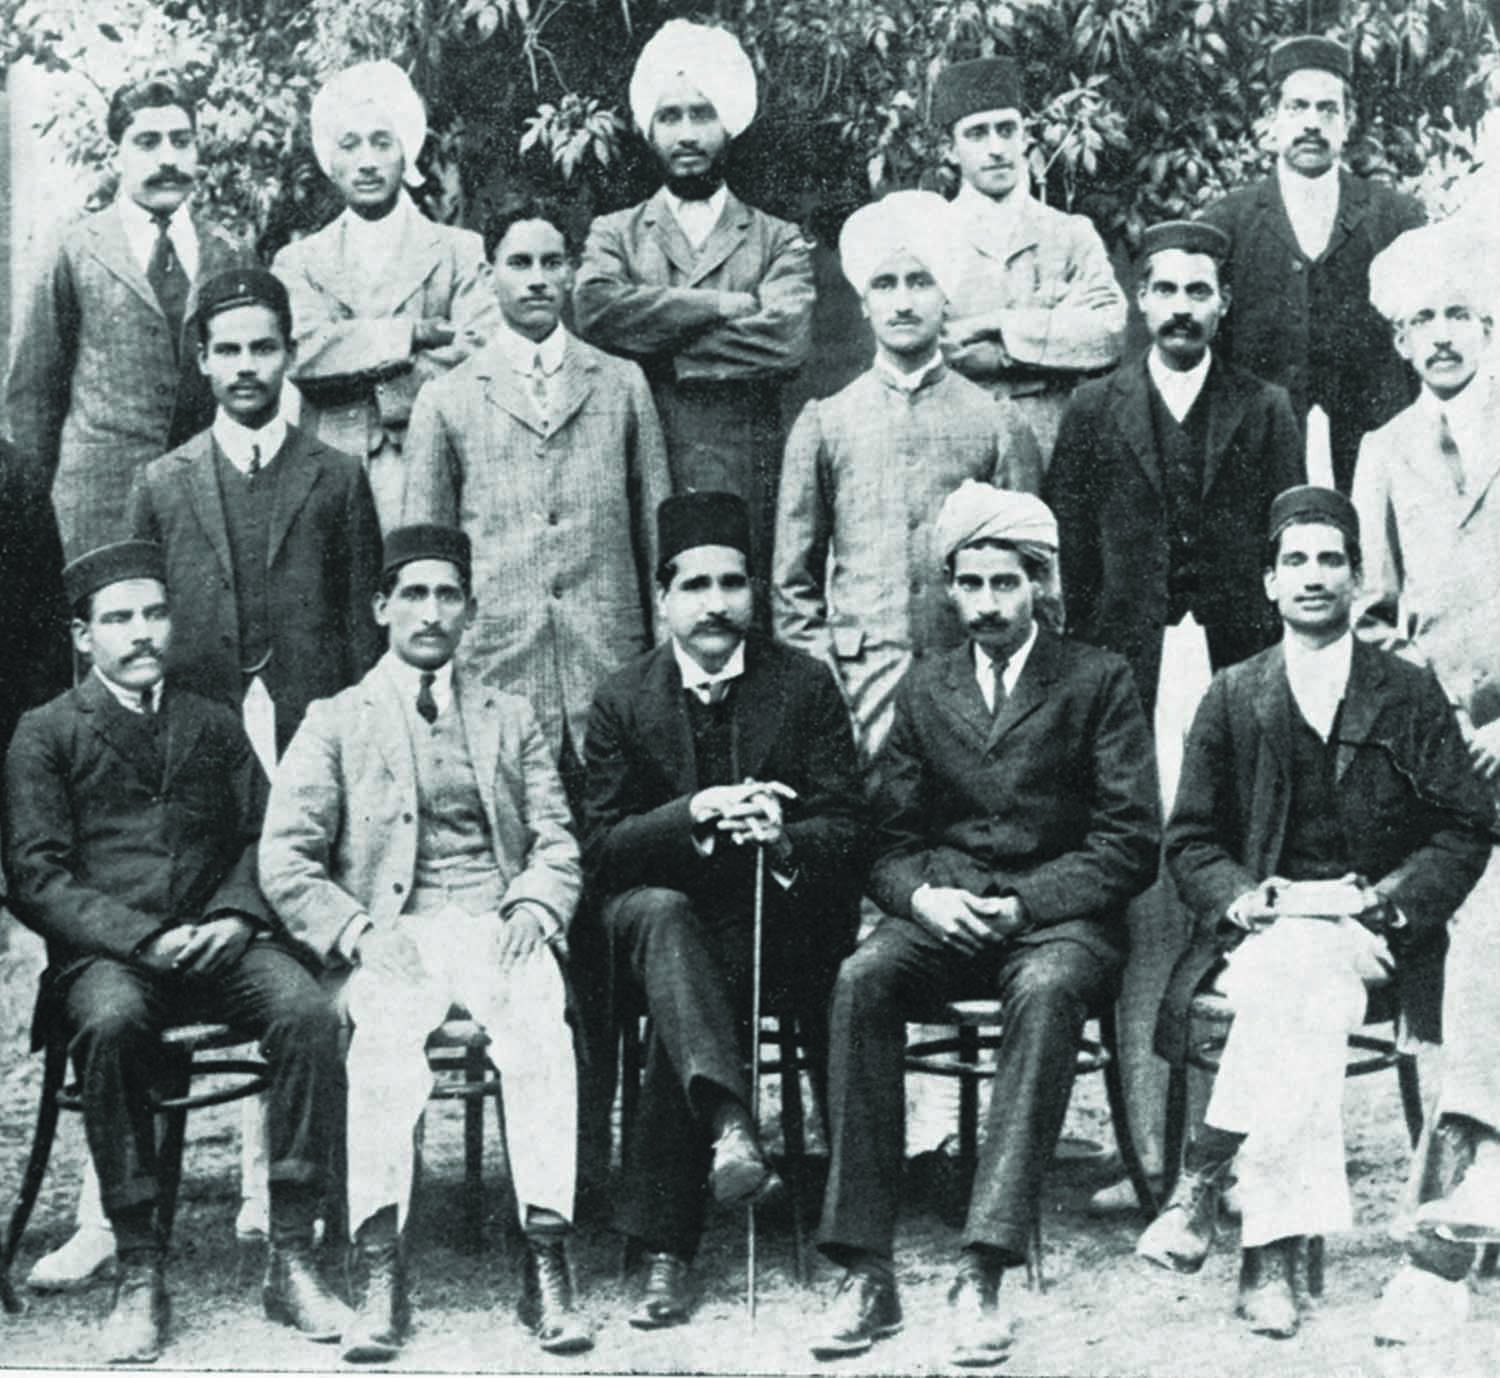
<point x="1460" y="1232"/>
<point x="281" y="1316"/>
<point x="1272" y="1332"/>
<point x="746" y="1184"/>
<point x="568" y="1344"/>
<point x="51" y="1287"/>
<point x="646" y="1321"/>
<point x="1173" y="1263"/>
<point x="370" y="1352"/>
<point x="843" y="1349"/>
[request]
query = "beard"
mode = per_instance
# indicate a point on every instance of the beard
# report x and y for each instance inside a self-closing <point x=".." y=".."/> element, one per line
<point x="695" y="186"/>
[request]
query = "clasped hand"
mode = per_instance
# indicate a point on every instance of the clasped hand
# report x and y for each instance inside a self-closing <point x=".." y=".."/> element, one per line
<point x="748" y="812"/>
<point x="965" y="920"/>
<point x="199" y="949"/>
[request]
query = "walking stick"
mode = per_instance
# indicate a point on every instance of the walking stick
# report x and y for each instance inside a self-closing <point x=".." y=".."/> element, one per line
<point x="760" y="907"/>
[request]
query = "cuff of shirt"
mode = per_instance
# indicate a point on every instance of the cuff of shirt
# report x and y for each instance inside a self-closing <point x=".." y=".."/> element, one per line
<point x="552" y="926"/>
<point x="347" y="942"/>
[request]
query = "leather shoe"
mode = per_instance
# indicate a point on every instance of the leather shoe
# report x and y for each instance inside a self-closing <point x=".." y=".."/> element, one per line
<point x="741" y="1176"/>
<point x="1267" y="1299"/>
<point x="664" y="1299"/>
<point x="865" y="1308"/>
<point x="136" y="1328"/>
<point x="981" y="1336"/>
<point x="379" y="1324"/>
<point x="1181" y="1236"/>
<point x="1417" y="1305"/>
<point x="88" y="1256"/>
<point x="294" y="1294"/>
<point x="546" y="1305"/>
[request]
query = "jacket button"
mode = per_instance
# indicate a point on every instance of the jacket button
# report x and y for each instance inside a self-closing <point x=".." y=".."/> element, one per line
<point x="557" y="588"/>
<point x="1297" y="267"/>
<point x="397" y="887"/>
<point x="405" y="818"/>
<point x="552" y="519"/>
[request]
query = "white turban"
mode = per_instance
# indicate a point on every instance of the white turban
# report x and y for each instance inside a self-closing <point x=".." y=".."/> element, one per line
<point x="1433" y="265"/>
<point x="707" y="58"/>
<point x="382" y="86"/>
<point x="981" y="512"/>
<point x="904" y="222"/>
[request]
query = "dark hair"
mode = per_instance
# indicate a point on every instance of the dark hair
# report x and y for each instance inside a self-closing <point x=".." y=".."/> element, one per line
<point x="515" y="209"/>
<point x="1351" y="543"/>
<point x="281" y="310"/>
<point x="154" y="93"/>
<point x="83" y="609"/>
<point x="388" y="579"/>
<point x="1034" y="565"/>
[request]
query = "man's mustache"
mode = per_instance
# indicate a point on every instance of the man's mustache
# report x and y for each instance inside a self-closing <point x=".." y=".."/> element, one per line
<point x="169" y="177"/>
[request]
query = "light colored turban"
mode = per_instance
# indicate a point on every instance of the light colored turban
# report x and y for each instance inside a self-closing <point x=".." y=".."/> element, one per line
<point x="1433" y="265"/>
<point x="709" y="59"/>
<point x="381" y="86"/>
<point x="981" y="512"/>
<point x="904" y="222"/>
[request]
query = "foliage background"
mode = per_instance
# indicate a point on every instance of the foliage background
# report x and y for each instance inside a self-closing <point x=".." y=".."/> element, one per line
<point x="1142" y="109"/>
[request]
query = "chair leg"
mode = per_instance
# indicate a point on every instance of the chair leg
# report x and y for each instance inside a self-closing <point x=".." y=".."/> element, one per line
<point x="632" y="1061"/>
<point x="1489" y="1260"/>
<point x="176" y="1086"/>
<point x="1119" y="1114"/>
<point x="1315" y="1265"/>
<point x="968" y="1105"/>
<point x="1411" y="1095"/>
<point x="1175" y="1129"/>
<point x="1036" y="1277"/>
<point x="793" y="1136"/>
<point x="54" y="1070"/>
<point x="474" y="1074"/>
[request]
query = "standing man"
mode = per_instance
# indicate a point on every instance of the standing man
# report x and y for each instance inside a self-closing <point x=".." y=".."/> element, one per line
<point x="1301" y="243"/>
<point x="1035" y="303"/>
<point x="866" y="470"/>
<point x="1327" y="825"/>
<point x="132" y="812"/>
<point x="1423" y="489"/>
<point x="418" y="832"/>
<point x="704" y="749"/>
<point x="383" y="299"/>
<point x="1016" y="816"/>
<point x="270" y="535"/>
<point x="713" y="296"/>
<point x="102" y="377"/>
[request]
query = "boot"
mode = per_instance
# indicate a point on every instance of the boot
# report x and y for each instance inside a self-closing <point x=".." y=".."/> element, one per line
<point x="294" y="1294"/>
<point x="665" y="1299"/>
<point x="546" y="1304"/>
<point x="379" y="1324"/>
<point x="1181" y="1236"/>
<point x="1267" y="1297"/>
<point x="136" y="1328"/>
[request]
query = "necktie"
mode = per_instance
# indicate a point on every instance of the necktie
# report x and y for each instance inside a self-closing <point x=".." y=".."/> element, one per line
<point x="426" y="704"/>
<point x="539" y="388"/>
<point x="1448" y="448"/>
<point x="254" y="460"/>
<point x="997" y="669"/>
<point x="168" y="280"/>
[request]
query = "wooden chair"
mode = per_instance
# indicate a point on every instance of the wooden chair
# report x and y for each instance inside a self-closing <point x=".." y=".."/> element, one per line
<point x="458" y="1054"/>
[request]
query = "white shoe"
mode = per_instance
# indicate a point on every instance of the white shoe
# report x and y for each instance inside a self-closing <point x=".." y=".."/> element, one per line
<point x="1118" y="1197"/>
<point x="1417" y="1305"/>
<point x="254" y="1219"/>
<point x="1229" y="1200"/>
<point x="88" y="1256"/>
<point x="1470" y="1213"/>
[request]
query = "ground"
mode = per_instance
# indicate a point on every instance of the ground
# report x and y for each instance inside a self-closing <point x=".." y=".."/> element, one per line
<point x="1101" y="1312"/>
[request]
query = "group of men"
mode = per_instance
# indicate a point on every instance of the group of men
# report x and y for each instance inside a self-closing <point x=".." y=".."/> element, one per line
<point x="487" y="614"/>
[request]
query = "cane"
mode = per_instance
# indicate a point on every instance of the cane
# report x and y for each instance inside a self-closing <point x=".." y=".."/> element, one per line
<point x="760" y="908"/>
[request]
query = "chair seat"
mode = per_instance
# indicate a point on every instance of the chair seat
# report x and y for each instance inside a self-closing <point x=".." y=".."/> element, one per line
<point x="458" y="1033"/>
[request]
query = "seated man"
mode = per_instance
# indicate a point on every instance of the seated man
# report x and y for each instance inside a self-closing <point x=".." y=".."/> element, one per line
<point x="698" y="752"/>
<point x="1016" y="816"/>
<point x="132" y="813"/>
<point x="1327" y="824"/>
<point x="417" y="831"/>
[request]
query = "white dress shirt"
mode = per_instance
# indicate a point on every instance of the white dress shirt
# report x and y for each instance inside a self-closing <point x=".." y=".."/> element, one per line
<point x="1318" y="678"/>
<point x="701" y="682"/>
<point x="984" y="669"/>
<point x="697" y="219"/>
<point x="537" y="362"/>
<point x="241" y="445"/>
<point x="144" y="701"/>
<point x="1178" y="389"/>
<point x="140" y="235"/>
<point x="998" y="219"/>
<point x="909" y="382"/>
<point x="409" y="681"/>
<point x="1312" y="205"/>
<point x="1466" y="422"/>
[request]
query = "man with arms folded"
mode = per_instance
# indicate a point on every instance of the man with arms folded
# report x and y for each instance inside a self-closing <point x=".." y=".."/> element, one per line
<point x="1327" y="824"/>
<point x="417" y="832"/>
<point x="1015" y="809"/>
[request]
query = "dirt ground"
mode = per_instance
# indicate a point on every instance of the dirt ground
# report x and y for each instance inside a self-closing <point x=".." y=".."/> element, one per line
<point x="1101" y="1312"/>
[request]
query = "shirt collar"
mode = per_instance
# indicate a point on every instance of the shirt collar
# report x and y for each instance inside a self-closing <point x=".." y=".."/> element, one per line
<point x="143" y="702"/>
<point x="978" y="206"/>
<point x="714" y="203"/>
<point x="408" y="680"/>
<point x="699" y="680"/>
<point x="1327" y="665"/>
<point x="916" y="379"/>
<point x="1465" y="410"/>
<point x="140" y="233"/>
<point x="520" y="353"/>
<point x="380" y="234"/>
<point x="984" y="667"/>
<point x="1181" y="386"/>
<point x="1319" y="190"/>
<point x="238" y="442"/>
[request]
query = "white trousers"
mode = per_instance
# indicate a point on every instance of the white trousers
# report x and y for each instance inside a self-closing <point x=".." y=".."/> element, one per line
<point x="1471" y="1013"/>
<point x="1298" y="989"/>
<point x="523" y="1011"/>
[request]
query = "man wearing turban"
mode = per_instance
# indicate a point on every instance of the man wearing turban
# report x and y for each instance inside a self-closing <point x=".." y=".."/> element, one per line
<point x="1016" y="815"/>
<point x="383" y="299"/>
<point x="1037" y="306"/>
<point x="712" y="296"/>
<point x="856" y="583"/>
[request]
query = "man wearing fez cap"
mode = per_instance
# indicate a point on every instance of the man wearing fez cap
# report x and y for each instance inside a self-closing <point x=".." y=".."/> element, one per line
<point x="1422" y="487"/>
<point x="1016" y="815"/>
<point x="418" y="837"/>
<point x="132" y="811"/>
<point x="865" y="471"/>
<point x="701" y="752"/>
<point x="1301" y="243"/>
<point x="1035" y="304"/>
<point x="1327" y="825"/>
<point x="712" y="296"/>
<point x="1162" y="480"/>
<point x="103" y="377"/>
<point x="384" y="300"/>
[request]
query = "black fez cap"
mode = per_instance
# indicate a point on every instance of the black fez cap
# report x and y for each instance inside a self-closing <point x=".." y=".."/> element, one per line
<point x="969" y="88"/>
<point x="693" y="519"/>
<point x="111" y="564"/>
<point x="244" y="287"/>
<point x="1309" y="503"/>
<point x="1191" y="236"/>
<point x="427" y="541"/>
<point x="1309" y="50"/>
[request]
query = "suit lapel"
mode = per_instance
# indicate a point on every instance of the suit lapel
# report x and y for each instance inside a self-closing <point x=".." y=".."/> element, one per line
<point x="726" y="236"/>
<point x="962" y="699"/>
<point x="204" y="497"/>
<point x="1354" y="201"/>
<point x="1131" y="387"/>
<point x="480" y="712"/>
<point x="1363" y="699"/>
<point x="576" y="379"/>
<point x="412" y="263"/>
<point x="669" y="236"/>
<point x="383" y="702"/>
<point x="298" y="477"/>
<point x="759" y="709"/>
<point x="1479" y="490"/>
<point x="1274" y="209"/>
<point x="103" y="715"/>
<point x="1031" y="690"/>
<point x="502" y="388"/>
<point x="664" y="721"/>
<point x="184" y="725"/>
<point x="112" y="250"/>
<point x="1227" y="403"/>
<point x="1273" y="708"/>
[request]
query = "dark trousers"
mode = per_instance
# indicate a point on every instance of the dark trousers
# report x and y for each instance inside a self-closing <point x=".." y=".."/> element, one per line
<point x="899" y="973"/>
<point x="694" y="971"/>
<point x="115" y="1013"/>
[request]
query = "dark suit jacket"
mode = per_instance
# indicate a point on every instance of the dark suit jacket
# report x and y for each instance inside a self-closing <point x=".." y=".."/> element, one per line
<point x="790" y="725"/>
<point x="1309" y="326"/>
<point x="1053" y="799"/>
<point x="324" y="571"/>
<point x="1105" y="485"/>
<point x="103" y="850"/>
<point x="1411" y="807"/>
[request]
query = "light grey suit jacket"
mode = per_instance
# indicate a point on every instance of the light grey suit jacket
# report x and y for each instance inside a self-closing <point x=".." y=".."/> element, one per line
<point x="340" y="838"/>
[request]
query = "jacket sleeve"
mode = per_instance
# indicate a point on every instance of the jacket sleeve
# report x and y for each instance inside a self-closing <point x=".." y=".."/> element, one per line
<point x="1019" y="465"/>
<point x="38" y="388"/>
<point x="334" y="346"/>
<point x="473" y="310"/>
<point x="239" y="891"/>
<point x="804" y="528"/>
<point x="826" y="824"/>
<point x="432" y="472"/>
<point x="901" y="804"/>
<point x="551" y="876"/>
<point x="1377" y="609"/>
<point x="1070" y="491"/>
<point x="360" y="567"/>
<point x="140" y="512"/>
<point x="650" y="481"/>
